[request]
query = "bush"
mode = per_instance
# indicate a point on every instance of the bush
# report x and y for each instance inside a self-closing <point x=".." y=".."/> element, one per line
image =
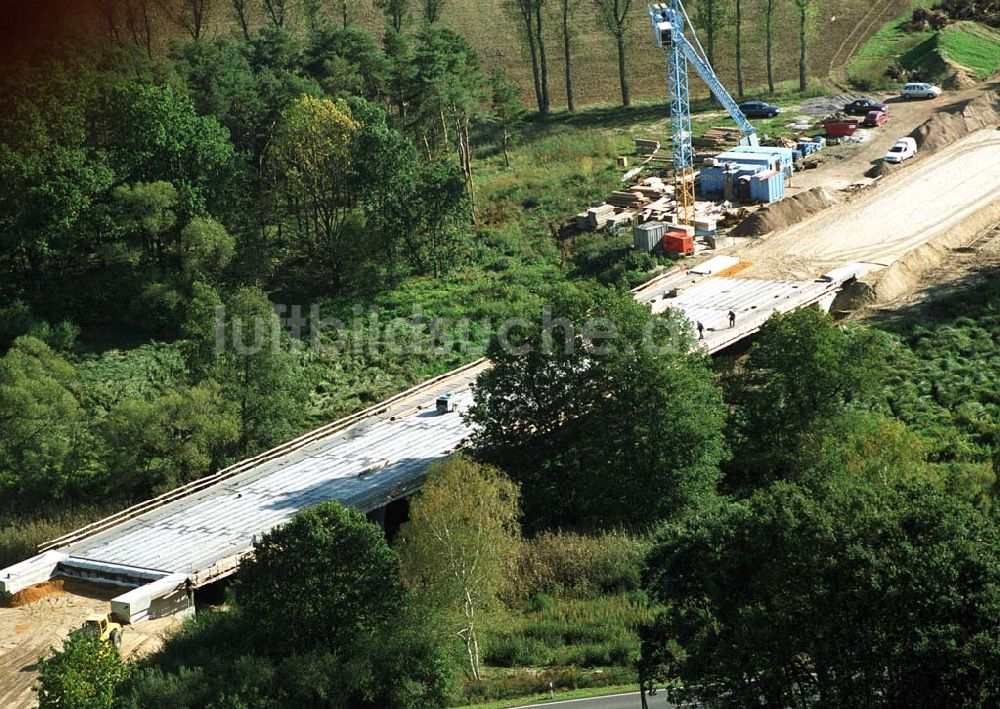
<point x="555" y="563"/>
<point x="83" y="675"/>
<point x="520" y="684"/>
<point x="518" y="651"/>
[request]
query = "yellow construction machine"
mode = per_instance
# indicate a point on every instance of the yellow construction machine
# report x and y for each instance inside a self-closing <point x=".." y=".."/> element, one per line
<point x="103" y="626"/>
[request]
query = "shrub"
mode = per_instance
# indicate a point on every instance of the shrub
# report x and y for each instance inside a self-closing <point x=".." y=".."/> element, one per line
<point x="505" y="685"/>
<point x="554" y="563"/>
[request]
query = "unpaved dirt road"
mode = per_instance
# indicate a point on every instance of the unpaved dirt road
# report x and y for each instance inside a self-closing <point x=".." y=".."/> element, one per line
<point x="878" y="227"/>
<point x="846" y="164"/>
<point x="31" y="631"/>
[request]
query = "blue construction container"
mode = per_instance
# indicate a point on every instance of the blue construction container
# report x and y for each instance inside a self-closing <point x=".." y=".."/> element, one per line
<point x="737" y="156"/>
<point x="787" y="156"/>
<point x="711" y="179"/>
<point x="767" y="186"/>
<point x="750" y="162"/>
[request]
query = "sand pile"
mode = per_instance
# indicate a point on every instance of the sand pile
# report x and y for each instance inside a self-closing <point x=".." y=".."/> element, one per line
<point x="785" y="213"/>
<point x="34" y="593"/>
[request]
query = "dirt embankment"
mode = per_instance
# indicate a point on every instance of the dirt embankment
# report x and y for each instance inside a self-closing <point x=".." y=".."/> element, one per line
<point x="785" y="213"/>
<point x="911" y="271"/>
<point x="958" y="120"/>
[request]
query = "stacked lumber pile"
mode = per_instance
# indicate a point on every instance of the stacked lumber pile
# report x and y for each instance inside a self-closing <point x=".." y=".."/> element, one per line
<point x="717" y="138"/>
<point x="662" y="210"/>
<point x="595" y="217"/>
<point x="627" y="198"/>
<point x="646" y="147"/>
<point x="652" y="188"/>
<point x="623" y="218"/>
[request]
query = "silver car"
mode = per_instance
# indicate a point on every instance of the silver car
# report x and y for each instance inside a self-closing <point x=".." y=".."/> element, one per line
<point x="920" y="91"/>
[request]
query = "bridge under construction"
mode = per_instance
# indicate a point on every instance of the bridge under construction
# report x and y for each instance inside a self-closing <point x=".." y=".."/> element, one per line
<point x="160" y="550"/>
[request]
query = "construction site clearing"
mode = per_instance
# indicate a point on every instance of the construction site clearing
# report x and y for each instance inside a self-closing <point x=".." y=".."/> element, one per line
<point x="731" y="183"/>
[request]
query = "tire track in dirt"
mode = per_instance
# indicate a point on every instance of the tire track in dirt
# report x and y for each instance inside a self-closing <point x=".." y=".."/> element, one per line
<point x="874" y="16"/>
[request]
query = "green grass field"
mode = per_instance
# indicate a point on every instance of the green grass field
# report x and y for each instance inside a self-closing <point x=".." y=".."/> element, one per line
<point x="973" y="46"/>
<point x="928" y="55"/>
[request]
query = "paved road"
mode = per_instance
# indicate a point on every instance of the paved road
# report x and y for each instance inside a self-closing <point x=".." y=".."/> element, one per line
<point x="615" y="701"/>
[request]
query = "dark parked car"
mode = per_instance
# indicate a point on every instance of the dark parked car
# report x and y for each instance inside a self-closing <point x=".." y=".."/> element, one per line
<point x="759" y="109"/>
<point x="861" y="107"/>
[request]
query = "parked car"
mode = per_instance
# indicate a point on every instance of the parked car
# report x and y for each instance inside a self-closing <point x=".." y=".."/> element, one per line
<point x="920" y="91"/>
<point x="759" y="109"/>
<point x="862" y="105"/>
<point x="875" y="118"/>
<point x="903" y="149"/>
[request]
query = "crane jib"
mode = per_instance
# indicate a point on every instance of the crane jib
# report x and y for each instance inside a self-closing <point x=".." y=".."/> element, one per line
<point x="669" y="21"/>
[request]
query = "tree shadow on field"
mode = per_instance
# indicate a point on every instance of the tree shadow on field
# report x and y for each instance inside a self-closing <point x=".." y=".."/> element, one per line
<point x="601" y="117"/>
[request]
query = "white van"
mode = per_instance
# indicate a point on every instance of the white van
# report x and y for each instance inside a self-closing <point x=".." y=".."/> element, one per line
<point x="920" y="91"/>
<point x="903" y="148"/>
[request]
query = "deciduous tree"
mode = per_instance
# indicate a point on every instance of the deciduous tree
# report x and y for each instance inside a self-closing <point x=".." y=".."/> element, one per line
<point x="42" y="424"/>
<point x="326" y="579"/>
<point x="846" y="594"/>
<point x="807" y="11"/>
<point x="311" y="171"/>
<point x="460" y="544"/>
<point x="603" y="414"/>
<point x="396" y="12"/>
<point x="152" y="133"/>
<point x="568" y="8"/>
<point x="711" y="17"/>
<point x="803" y="368"/>
<point x="432" y="10"/>
<point x="190" y="15"/>
<point x="616" y="17"/>
<point x="529" y="14"/>
<point x="153" y="446"/>
<point x="260" y="372"/>
<point x="241" y="11"/>
<point x="507" y="110"/>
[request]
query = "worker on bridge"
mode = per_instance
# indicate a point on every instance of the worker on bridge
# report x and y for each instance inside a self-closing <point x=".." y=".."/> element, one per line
<point x="732" y="318"/>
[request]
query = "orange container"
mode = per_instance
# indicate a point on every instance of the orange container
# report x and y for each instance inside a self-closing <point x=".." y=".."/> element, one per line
<point x="678" y="242"/>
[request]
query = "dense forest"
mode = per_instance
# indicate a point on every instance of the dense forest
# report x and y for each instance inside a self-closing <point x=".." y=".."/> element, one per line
<point x="809" y="523"/>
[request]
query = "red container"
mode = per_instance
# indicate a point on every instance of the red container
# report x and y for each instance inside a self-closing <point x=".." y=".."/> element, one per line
<point x="840" y="129"/>
<point x="678" y="242"/>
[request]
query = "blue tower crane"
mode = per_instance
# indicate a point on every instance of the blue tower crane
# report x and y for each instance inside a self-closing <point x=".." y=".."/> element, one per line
<point x="669" y="22"/>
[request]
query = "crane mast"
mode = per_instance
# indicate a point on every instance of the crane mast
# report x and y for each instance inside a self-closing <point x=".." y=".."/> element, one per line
<point x="669" y="21"/>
